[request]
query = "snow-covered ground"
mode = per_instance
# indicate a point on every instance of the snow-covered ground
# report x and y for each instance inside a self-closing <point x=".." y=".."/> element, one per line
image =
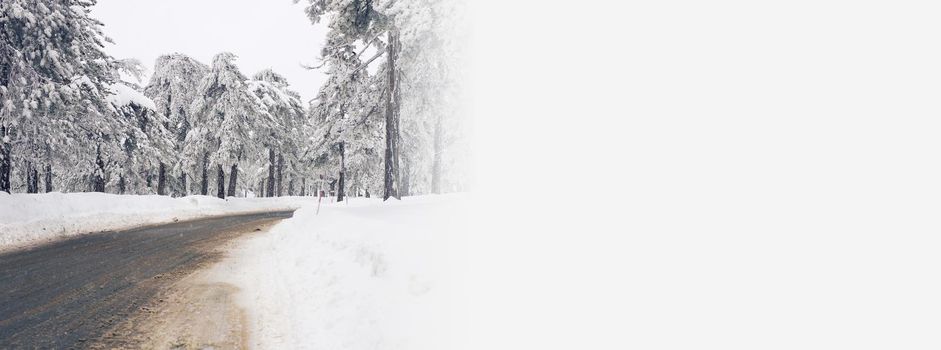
<point x="360" y="275"/>
<point x="27" y="219"/>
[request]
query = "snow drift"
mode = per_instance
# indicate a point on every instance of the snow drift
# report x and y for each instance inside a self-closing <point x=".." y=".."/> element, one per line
<point x="27" y="219"/>
<point x="360" y="275"/>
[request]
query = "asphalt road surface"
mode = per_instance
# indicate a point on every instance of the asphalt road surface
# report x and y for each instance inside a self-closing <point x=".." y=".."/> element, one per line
<point x="70" y="293"/>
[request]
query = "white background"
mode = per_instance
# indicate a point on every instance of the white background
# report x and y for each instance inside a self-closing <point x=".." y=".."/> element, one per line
<point x="706" y="174"/>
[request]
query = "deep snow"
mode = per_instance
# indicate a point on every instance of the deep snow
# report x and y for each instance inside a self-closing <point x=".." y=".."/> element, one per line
<point x="27" y="219"/>
<point x="360" y="275"/>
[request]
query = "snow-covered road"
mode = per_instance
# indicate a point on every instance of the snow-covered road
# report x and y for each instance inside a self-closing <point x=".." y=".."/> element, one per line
<point x="73" y="292"/>
<point x="31" y="219"/>
<point x="361" y="274"/>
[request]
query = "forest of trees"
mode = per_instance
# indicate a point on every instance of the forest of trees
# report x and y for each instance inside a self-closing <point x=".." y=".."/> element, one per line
<point x="385" y="123"/>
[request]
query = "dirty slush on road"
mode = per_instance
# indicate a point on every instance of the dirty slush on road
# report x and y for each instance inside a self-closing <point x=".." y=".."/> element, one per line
<point x="191" y="311"/>
<point x="144" y="288"/>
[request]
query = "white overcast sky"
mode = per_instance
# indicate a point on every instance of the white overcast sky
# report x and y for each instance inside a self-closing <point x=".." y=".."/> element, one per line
<point x="262" y="33"/>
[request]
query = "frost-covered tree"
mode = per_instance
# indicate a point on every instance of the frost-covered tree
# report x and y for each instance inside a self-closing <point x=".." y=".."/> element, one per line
<point x="416" y="42"/>
<point x="54" y="79"/>
<point x="173" y="88"/>
<point x="364" y="22"/>
<point x="434" y="143"/>
<point x="284" y="108"/>
<point x="146" y="145"/>
<point x="228" y="124"/>
<point x="347" y="123"/>
<point x="361" y="141"/>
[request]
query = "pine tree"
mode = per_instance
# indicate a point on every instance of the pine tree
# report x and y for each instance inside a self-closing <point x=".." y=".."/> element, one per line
<point x="348" y="127"/>
<point x="229" y="125"/>
<point x="147" y="143"/>
<point x="173" y="88"/>
<point x="283" y="107"/>
<point x="416" y="39"/>
<point x="361" y="21"/>
<point x="54" y="76"/>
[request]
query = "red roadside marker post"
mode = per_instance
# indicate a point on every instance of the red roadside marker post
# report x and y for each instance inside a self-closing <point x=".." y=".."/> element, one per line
<point x="319" y="194"/>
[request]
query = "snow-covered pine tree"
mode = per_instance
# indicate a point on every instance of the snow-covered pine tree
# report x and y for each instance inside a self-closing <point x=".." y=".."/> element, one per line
<point x="434" y="143"/>
<point x="173" y="88"/>
<point x="147" y="144"/>
<point x="283" y="106"/>
<point x="347" y="123"/>
<point x="416" y="39"/>
<point x="366" y="22"/>
<point x="53" y="87"/>
<point x="432" y="130"/>
<point x="228" y="125"/>
<point x="363" y="137"/>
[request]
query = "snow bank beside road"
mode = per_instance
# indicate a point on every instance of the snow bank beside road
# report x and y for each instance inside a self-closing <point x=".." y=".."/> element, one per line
<point x="363" y="275"/>
<point x="27" y="219"/>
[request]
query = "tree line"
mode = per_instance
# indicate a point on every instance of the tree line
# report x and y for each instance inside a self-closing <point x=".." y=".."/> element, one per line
<point x="72" y="118"/>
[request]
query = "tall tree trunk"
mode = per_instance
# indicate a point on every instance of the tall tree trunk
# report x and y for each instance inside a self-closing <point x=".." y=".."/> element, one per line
<point x="122" y="185"/>
<point x="204" y="189"/>
<point x="436" y="162"/>
<point x="6" y="163"/>
<point x="48" y="178"/>
<point x="291" y="185"/>
<point x="98" y="179"/>
<point x="342" y="183"/>
<point x="303" y="186"/>
<point x="162" y="180"/>
<point x="280" y="173"/>
<point x="391" y="171"/>
<point x="270" y="184"/>
<point x="220" y="184"/>
<point x="35" y="180"/>
<point x="233" y="178"/>
<point x="30" y="179"/>
<point x="184" y="190"/>
<point x="405" y="188"/>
